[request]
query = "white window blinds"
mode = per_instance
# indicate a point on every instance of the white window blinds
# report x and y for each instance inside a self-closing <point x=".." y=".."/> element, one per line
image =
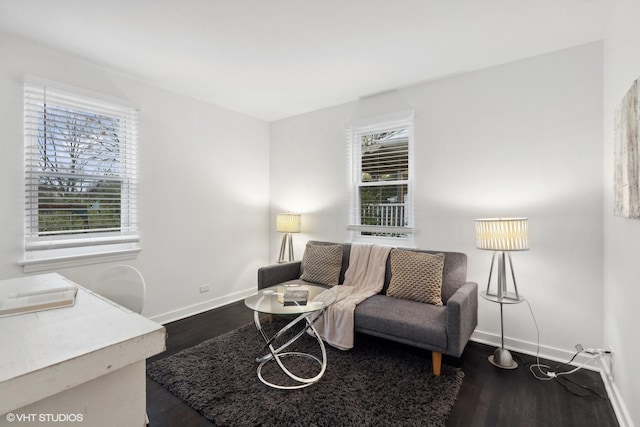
<point x="80" y="164"/>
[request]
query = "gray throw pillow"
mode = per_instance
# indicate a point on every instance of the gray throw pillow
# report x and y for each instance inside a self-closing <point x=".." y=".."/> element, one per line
<point x="321" y="264"/>
<point x="416" y="276"/>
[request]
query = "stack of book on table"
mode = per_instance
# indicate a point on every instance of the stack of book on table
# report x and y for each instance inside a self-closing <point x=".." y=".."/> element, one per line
<point x="295" y="297"/>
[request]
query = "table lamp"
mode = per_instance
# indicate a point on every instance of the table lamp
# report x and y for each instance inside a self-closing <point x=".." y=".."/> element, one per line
<point x="502" y="235"/>
<point x="287" y="223"/>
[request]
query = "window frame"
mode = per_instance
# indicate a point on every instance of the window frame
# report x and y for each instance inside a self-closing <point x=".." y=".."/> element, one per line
<point x="42" y="251"/>
<point x="374" y="125"/>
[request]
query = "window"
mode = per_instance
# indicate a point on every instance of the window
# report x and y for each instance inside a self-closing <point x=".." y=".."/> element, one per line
<point x="382" y="179"/>
<point x="80" y="192"/>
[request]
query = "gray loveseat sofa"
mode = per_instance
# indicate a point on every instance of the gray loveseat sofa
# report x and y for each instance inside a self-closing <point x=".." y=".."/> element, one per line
<point x="442" y="329"/>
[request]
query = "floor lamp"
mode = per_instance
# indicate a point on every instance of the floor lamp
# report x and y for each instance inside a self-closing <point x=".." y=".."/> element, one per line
<point x="502" y="235"/>
<point x="287" y="223"/>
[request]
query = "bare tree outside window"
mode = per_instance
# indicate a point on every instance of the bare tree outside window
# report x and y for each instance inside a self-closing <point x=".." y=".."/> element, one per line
<point x="78" y="180"/>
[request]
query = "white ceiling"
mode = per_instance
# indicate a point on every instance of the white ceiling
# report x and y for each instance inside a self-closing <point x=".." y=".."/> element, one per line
<point x="277" y="58"/>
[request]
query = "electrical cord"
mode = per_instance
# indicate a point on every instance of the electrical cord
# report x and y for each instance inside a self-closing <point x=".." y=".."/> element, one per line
<point x="546" y="373"/>
<point x="591" y="392"/>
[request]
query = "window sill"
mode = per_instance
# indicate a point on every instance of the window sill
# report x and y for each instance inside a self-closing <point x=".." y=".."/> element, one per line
<point x="405" y="242"/>
<point x="44" y="263"/>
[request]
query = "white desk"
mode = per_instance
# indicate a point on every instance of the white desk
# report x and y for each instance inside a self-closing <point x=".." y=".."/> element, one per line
<point x="85" y="361"/>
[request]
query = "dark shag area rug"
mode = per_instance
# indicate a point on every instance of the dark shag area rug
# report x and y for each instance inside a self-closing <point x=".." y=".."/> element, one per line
<point x="375" y="383"/>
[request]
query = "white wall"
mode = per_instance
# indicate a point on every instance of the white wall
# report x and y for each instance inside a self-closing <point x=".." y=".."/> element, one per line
<point x="203" y="184"/>
<point x="521" y="139"/>
<point x="621" y="236"/>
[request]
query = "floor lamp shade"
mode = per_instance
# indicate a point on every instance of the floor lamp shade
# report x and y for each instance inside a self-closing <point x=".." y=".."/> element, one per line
<point x="287" y="223"/>
<point x="502" y="235"/>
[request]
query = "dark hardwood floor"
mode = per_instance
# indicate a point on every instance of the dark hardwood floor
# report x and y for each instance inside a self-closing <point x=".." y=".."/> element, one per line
<point x="489" y="396"/>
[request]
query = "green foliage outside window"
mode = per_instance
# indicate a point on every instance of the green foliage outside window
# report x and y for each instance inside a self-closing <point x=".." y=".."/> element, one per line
<point x="79" y="188"/>
<point x="384" y="172"/>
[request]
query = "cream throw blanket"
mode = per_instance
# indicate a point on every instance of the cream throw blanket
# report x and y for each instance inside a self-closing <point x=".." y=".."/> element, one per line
<point x="363" y="279"/>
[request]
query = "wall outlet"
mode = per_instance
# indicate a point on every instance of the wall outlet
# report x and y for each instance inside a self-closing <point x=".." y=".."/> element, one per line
<point x="204" y="288"/>
<point x="610" y="367"/>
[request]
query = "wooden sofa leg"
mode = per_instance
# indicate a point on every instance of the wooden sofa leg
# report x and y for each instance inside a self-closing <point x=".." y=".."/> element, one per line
<point x="436" y="360"/>
<point x="270" y="318"/>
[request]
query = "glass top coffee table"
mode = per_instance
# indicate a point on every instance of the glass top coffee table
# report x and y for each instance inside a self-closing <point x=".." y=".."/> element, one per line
<point x="271" y="301"/>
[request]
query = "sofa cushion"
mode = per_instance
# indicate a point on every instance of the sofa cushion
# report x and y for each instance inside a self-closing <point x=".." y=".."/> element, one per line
<point x="416" y="276"/>
<point x="346" y="256"/>
<point x="321" y="264"/>
<point x="402" y="320"/>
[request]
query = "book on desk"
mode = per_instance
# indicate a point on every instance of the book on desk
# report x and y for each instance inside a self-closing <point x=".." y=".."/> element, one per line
<point x="38" y="300"/>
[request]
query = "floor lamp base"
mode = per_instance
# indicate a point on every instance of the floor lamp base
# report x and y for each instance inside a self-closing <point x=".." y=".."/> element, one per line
<point x="502" y="359"/>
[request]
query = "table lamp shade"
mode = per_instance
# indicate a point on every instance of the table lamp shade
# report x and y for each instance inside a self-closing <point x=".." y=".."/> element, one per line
<point x="502" y="234"/>
<point x="288" y="223"/>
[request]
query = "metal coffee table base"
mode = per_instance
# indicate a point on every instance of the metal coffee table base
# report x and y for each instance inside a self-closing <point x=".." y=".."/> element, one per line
<point x="278" y="354"/>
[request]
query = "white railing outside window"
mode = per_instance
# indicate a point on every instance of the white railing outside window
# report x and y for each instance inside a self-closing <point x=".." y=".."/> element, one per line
<point x="386" y="214"/>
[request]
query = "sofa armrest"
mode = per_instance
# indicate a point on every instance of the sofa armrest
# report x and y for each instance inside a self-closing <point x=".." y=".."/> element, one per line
<point x="275" y="274"/>
<point x="462" y="317"/>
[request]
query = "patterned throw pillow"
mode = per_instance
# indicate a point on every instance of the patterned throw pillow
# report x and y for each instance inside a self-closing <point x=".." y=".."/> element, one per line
<point x="416" y="276"/>
<point x="321" y="264"/>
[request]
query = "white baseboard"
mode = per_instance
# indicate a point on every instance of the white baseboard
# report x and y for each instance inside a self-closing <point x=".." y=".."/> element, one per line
<point x="201" y="307"/>
<point x="620" y="409"/>
<point x="545" y="352"/>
